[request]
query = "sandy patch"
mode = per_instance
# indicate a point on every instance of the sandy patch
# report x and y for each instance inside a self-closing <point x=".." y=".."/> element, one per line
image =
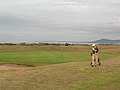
<point x="12" y="66"/>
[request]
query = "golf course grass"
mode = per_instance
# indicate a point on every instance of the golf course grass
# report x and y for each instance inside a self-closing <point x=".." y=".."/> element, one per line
<point x="47" y="57"/>
<point x="37" y="68"/>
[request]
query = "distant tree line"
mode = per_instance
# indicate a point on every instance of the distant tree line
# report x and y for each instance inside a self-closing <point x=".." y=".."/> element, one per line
<point x="39" y="44"/>
<point x="7" y="44"/>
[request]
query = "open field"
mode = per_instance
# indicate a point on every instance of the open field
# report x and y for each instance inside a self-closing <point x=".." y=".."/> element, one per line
<point x="54" y="69"/>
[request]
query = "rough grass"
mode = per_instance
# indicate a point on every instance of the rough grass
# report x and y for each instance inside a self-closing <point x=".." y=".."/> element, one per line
<point x="66" y="76"/>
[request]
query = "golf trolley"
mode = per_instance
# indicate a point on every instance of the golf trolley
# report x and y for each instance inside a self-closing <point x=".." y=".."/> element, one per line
<point x="99" y="61"/>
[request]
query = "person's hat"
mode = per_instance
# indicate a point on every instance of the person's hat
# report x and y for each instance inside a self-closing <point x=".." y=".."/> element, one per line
<point x="93" y="44"/>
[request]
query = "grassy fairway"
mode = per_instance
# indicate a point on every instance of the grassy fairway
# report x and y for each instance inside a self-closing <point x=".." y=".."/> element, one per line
<point x="46" y="57"/>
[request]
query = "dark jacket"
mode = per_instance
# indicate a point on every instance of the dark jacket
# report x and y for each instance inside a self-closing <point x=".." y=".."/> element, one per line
<point x="95" y="50"/>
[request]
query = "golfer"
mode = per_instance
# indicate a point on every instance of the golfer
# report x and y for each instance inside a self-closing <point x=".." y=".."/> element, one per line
<point x="95" y="56"/>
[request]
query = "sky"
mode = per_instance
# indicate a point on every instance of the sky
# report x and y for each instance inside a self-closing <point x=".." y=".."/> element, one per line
<point x="59" y="20"/>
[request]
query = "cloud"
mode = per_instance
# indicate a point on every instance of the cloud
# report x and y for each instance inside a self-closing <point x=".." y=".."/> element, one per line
<point x="59" y="19"/>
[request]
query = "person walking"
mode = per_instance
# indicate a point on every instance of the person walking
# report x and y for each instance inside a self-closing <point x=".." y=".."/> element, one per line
<point x="95" y="55"/>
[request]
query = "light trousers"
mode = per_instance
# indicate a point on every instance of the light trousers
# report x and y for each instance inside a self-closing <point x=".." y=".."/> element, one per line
<point x="95" y="59"/>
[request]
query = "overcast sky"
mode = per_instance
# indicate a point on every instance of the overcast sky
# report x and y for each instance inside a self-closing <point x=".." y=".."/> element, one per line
<point x="59" y="20"/>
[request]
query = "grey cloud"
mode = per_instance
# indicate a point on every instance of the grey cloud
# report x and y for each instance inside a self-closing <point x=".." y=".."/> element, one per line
<point x="59" y="19"/>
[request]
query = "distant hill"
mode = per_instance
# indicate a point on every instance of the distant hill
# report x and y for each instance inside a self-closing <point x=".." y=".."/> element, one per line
<point x="106" y="41"/>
